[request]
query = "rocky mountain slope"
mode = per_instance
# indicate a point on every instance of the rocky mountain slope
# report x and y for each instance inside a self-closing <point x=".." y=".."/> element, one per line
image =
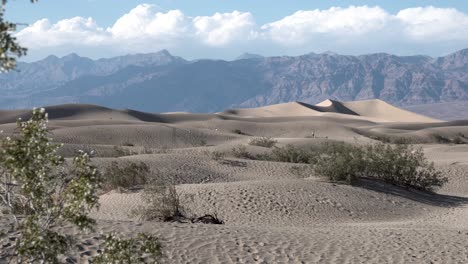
<point x="161" y="82"/>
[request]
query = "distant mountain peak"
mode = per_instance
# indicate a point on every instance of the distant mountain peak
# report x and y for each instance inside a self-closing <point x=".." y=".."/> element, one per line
<point x="248" y="56"/>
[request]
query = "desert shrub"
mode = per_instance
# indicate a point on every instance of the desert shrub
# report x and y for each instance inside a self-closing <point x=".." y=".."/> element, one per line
<point x="217" y="155"/>
<point x="118" y="151"/>
<point x="241" y="152"/>
<point x="300" y="171"/>
<point x="39" y="193"/>
<point x="340" y="162"/>
<point x="289" y="153"/>
<point x="266" y="142"/>
<point x="125" y="176"/>
<point x="162" y="202"/>
<point x="458" y="140"/>
<point x="142" y="249"/>
<point x="441" y="139"/>
<point x="400" y="165"/>
<point x="128" y="144"/>
<point x="238" y="131"/>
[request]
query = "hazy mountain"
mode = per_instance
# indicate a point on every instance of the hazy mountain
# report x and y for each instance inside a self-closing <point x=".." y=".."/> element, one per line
<point x="248" y="56"/>
<point x="161" y="82"/>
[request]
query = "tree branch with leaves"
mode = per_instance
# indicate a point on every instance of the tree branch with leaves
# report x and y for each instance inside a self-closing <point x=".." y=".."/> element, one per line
<point x="10" y="49"/>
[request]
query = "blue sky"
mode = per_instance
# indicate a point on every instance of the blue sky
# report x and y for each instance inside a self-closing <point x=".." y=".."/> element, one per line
<point x="211" y="28"/>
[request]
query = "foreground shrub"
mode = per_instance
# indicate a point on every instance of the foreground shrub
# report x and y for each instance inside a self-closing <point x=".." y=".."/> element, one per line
<point x="142" y="249"/>
<point x="400" y="165"/>
<point x="241" y="152"/>
<point x="290" y="153"/>
<point x="403" y="165"/>
<point x="266" y="142"/>
<point x="162" y="202"/>
<point x="239" y="132"/>
<point x="217" y="155"/>
<point x="340" y="162"/>
<point x="125" y="176"/>
<point x="38" y="196"/>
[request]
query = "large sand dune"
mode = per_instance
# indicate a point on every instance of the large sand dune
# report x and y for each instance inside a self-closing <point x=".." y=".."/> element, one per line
<point x="273" y="214"/>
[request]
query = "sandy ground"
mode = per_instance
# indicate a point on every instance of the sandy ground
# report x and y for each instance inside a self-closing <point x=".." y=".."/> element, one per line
<point x="271" y="213"/>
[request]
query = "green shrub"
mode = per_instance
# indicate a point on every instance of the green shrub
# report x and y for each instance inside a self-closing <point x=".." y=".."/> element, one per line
<point x="441" y="139"/>
<point x="239" y="132"/>
<point x="241" y="152"/>
<point x="116" y="250"/>
<point x="266" y="142"/>
<point x="218" y="155"/>
<point x="118" y="151"/>
<point x="125" y="176"/>
<point x="340" y="162"/>
<point x="400" y="165"/>
<point x="39" y="194"/>
<point x="289" y="153"/>
<point x="403" y="165"/>
<point x="301" y="171"/>
<point x="162" y="202"/>
<point x="458" y="140"/>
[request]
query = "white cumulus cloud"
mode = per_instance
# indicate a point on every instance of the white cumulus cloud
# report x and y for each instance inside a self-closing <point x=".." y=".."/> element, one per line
<point x="354" y="29"/>
<point x="426" y="23"/>
<point x="303" y="26"/>
<point x="221" y="29"/>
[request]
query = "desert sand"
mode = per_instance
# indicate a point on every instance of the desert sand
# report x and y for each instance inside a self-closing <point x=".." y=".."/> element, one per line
<point x="271" y="214"/>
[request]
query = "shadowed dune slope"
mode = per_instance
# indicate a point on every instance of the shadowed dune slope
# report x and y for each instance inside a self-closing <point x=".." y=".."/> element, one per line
<point x="385" y="112"/>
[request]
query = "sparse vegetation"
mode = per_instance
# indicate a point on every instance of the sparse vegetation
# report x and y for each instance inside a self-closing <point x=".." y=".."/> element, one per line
<point x="340" y="162"/>
<point x="445" y="140"/>
<point x="218" y="155"/>
<point x="400" y="165"/>
<point x="241" y="152"/>
<point x="162" y="202"/>
<point x="301" y="171"/>
<point x="289" y="153"/>
<point x="239" y="132"/>
<point x="142" y="249"/>
<point x="441" y="139"/>
<point x="125" y="176"/>
<point x="39" y="194"/>
<point x="266" y="142"/>
<point x="118" y="151"/>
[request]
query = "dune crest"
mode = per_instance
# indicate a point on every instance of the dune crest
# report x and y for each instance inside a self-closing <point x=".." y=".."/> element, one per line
<point x="375" y="110"/>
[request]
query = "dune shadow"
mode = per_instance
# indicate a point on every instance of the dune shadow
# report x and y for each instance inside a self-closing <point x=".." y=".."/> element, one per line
<point x="429" y="198"/>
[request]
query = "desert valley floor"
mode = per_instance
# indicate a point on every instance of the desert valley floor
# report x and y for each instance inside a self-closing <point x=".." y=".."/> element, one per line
<point x="271" y="214"/>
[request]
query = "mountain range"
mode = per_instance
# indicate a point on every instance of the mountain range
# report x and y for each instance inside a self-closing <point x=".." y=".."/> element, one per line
<point x="161" y="82"/>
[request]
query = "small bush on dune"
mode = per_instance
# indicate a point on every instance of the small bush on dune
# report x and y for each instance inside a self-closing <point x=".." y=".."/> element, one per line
<point x="125" y="176"/>
<point x="241" y="152"/>
<point x="340" y="162"/>
<point x="217" y="155"/>
<point x="289" y="153"/>
<point x="162" y="202"/>
<point x="142" y="249"/>
<point x="39" y="195"/>
<point x="266" y="142"/>
<point x="400" y="165"/>
<point x="118" y="151"/>
<point x="239" y="132"/>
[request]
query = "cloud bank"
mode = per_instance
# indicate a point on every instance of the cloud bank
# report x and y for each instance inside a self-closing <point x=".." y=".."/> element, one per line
<point x="352" y="30"/>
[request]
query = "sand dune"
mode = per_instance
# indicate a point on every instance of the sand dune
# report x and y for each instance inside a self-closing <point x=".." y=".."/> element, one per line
<point x="385" y="112"/>
<point x="274" y="212"/>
